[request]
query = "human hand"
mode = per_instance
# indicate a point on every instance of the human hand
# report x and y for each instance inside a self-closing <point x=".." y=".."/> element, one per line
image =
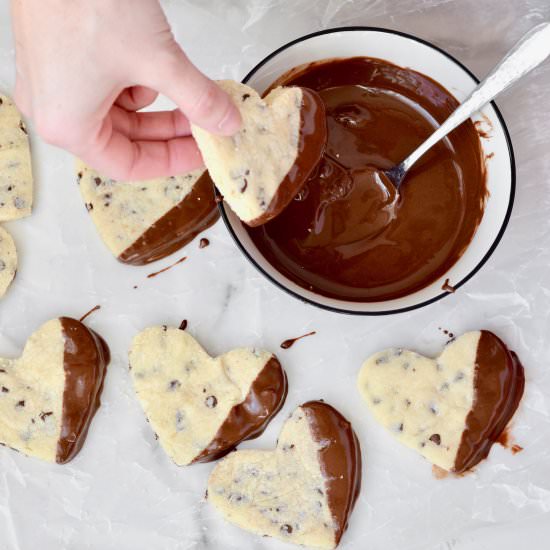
<point x="84" y="69"/>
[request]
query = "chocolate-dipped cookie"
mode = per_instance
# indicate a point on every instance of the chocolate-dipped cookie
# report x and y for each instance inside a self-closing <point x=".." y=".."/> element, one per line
<point x="8" y="261"/>
<point x="202" y="407"/>
<point x="144" y="221"/>
<point x="450" y="409"/>
<point x="16" y="181"/>
<point x="262" y="167"/>
<point x="304" y="491"/>
<point x="49" y="395"/>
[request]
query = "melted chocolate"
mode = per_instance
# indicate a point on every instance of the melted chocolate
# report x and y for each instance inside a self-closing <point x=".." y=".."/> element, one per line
<point x="347" y="235"/>
<point x="340" y="458"/>
<point x="498" y="387"/>
<point x="87" y="314"/>
<point x="204" y="243"/>
<point x="250" y="418"/>
<point x="291" y="341"/>
<point x="85" y="362"/>
<point x="179" y="226"/>
<point x="311" y="145"/>
<point x="164" y="269"/>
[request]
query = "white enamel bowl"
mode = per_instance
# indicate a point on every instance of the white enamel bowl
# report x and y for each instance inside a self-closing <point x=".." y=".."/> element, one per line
<point x="407" y="51"/>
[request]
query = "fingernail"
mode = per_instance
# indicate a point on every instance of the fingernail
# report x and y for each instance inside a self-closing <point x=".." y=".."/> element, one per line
<point x="231" y="122"/>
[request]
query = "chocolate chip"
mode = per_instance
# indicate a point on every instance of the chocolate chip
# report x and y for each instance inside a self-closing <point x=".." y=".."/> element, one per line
<point x="5" y="390"/>
<point x="435" y="438"/>
<point x="44" y="415"/>
<point x="22" y="127"/>
<point x="400" y="427"/>
<point x="164" y="328"/>
<point x="2" y="370"/>
<point x="245" y="96"/>
<point x="408" y="402"/>
<point x="460" y="376"/>
<point x="243" y="188"/>
<point x="286" y="529"/>
<point x="203" y="243"/>
<point x="174" y="384"/>
<point x="79" y="176"/>
<point x="180" y="424"/>
<point x="97" y="181"/>
<point x="10" y="188"/>
<point x="89" y="206"/>
<point x="381" y="360"/>
<point x="156" y="435"/>
<point x="211" y="401"/>
<point x="20" y="404"/>
<point x="376" y="400"/>
<point x="183" y="325"/>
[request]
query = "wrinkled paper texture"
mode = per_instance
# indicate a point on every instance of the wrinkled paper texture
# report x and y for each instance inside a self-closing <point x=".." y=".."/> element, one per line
<point x="122" y="492"/>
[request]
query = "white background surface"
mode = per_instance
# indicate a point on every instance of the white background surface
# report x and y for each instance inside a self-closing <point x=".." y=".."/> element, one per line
<point x="122" y="492"/>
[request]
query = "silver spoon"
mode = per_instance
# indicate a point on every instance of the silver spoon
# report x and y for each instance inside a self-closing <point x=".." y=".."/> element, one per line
<point x="527" y="54"/>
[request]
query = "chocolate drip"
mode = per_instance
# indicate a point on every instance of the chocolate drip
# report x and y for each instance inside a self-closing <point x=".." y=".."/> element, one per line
<point x="85" y="361"/>
<point x="498" y="387"/>
<point x="250" y="418"/>
<point x="346" y="235"/>
<point x="340" y="457"/>
<point x="311" y="146"/>
<point x="291" y="341"/>
<point x="180" y="225"/>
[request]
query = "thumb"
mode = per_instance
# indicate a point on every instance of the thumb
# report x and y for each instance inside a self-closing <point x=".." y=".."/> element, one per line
<point x="201" y="100"/>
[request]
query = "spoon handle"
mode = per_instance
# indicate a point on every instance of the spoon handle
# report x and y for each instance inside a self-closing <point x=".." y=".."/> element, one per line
<point x="527" y="54"/>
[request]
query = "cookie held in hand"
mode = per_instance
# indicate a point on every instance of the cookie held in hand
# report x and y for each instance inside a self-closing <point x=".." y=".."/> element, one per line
<point x="450" y="409"/>
<point x="8" y="261"/>
<point x="202" y="407"/>
<point x="144" y="221"/>
<point x="304" y="491"/>
<point x="262" y="167"/>
<point x="49" y="395"/>
<point x="16" y="181"/>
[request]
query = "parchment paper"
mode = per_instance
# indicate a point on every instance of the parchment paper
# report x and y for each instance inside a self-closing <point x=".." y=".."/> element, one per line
<point x="122" y="492"/>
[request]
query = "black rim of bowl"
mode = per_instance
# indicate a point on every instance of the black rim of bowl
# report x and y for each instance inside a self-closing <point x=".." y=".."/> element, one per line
<point x="439" y="296"/>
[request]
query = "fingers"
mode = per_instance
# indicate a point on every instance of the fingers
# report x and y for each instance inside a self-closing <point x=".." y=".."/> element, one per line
<point x="200" y="99"/>
<point x="120" y="158"/>
<point x="136" y="98"/>
<point x="161" y="125"/>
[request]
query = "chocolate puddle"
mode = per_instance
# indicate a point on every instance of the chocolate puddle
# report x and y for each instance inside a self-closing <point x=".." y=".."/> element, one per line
<point x="85" y="361"/>
<point x="345" y="235"/>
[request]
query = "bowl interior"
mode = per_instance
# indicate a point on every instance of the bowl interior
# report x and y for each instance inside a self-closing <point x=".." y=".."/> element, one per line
<point x="409" y="52"/>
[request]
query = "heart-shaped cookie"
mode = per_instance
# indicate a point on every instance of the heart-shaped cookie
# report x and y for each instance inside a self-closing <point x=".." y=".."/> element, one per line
<point x="261" y="168"/>
<point x="49" y="395"/>
<point x="144" y="221"/>
<point x="202" y="407"/>
<point x="8" y="261"/>
<point x="304" y="491"/>
<point x="16" y="182"/>
<point x="450" y="409"/>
